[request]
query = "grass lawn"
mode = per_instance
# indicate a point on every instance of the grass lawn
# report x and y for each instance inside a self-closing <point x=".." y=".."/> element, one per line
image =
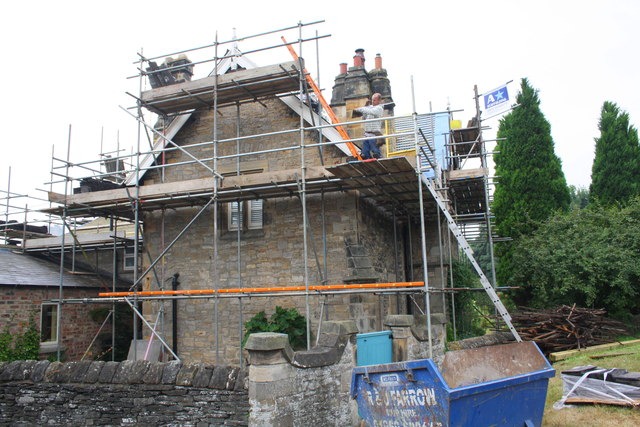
<point x="624" y="357"/>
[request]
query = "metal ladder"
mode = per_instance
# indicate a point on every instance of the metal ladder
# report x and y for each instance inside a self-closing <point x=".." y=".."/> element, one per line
<point x="462" y="242"/>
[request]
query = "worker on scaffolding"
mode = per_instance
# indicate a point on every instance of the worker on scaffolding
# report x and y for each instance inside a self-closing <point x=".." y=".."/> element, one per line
<point x="372" y="128"/>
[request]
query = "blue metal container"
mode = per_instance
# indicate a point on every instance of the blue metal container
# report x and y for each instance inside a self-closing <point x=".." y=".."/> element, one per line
<point x="374" y="348"/>
<point x="504" y="385"/>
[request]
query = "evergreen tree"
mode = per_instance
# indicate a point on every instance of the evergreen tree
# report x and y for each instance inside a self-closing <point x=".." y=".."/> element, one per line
<point x="615" y="174"/>
<point x="531" y="185"/>
<point x="579" y="197"/>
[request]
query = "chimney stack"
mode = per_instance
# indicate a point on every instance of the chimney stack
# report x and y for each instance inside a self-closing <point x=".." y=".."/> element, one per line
<point x="358" y="58"/>
<point x="378" y="61"/>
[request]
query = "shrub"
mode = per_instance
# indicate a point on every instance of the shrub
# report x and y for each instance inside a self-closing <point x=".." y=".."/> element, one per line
<point x="285" y="321"/>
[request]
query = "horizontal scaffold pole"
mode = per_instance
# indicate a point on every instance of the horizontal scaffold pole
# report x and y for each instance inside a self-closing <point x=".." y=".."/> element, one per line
<point x="272" y="289"/>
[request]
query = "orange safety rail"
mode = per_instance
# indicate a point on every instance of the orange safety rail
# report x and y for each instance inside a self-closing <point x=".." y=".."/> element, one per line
<point x="325" y="105"/>
<point x="275" y="289"/>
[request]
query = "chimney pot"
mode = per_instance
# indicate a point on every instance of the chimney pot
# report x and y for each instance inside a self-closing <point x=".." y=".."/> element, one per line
<point x="378" y="61"/>
<point x="343" y="68"/>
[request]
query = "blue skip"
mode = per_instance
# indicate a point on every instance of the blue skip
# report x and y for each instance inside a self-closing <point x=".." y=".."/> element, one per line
<point x="502" y="385"/>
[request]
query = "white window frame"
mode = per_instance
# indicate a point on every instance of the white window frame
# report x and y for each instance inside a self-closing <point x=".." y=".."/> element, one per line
<point x="52" y="324"/>
<point x="128" y="255"/>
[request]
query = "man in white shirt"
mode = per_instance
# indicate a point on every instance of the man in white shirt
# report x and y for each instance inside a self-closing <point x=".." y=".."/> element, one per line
<point x="373" y="128"/>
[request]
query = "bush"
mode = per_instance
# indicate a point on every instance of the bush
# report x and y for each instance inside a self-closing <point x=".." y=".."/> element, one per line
<point x="284" y="321"/>
<point x="20" y="346"/>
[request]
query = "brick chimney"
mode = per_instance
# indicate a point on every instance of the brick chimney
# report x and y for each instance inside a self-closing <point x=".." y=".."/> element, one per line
<point x="358" y="58"/>
<point x="378" y="61"/>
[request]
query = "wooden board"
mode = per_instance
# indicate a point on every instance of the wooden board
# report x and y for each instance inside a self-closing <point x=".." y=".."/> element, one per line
<point x="231" y="87"/>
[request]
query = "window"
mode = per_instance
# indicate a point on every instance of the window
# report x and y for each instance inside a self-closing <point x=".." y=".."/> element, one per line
<point x="241" y="213"/>
<point x="129" y="259"/>
<point x="49" y="323"/>
<point x="255" y="214"/>
<point x="235" y="216"/>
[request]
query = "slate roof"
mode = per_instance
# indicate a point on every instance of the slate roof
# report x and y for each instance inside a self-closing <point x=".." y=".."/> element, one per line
<point x="26" y="270"/>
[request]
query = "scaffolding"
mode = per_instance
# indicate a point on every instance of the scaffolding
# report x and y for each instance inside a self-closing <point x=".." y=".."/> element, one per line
<point x="411" y="185"/>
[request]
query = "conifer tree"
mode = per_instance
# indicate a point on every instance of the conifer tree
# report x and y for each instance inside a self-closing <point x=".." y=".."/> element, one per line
<point x="615" y="174"/>
<point x="531" y="185"/>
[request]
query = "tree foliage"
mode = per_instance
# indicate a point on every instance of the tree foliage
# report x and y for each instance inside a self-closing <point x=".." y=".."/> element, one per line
<point x="579" y="197"/>
<point x="589" y="257"/>
<point x="615" y="174"/>
<point x="470" y="313"/>
<point x="531" y="185"/>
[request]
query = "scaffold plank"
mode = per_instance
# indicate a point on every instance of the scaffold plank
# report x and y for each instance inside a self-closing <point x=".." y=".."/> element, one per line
<point x="232" y="87"/>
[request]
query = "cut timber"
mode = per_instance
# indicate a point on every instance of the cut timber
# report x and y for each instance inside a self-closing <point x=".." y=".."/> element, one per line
<point x="561" y="355"/>
<point x="231" y="87"/>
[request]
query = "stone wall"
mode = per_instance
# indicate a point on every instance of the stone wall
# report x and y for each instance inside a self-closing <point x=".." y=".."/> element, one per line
<point x="126" y="393"/>
<point x="302" y="388"/>
<point x="280" y="387"/>
<point x="309" y="388"/>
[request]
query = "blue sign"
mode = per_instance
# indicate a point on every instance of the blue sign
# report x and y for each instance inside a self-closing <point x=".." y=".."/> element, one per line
<point x="497" y="100"/>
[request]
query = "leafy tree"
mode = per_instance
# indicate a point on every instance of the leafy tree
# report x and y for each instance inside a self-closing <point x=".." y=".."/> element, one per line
<point x="531" y="185"/>
<point x="588" y="257"/>
<point x="615" y="174"/>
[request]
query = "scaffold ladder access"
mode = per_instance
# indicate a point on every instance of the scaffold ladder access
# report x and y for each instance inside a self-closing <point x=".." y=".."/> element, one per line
<point x="464" y="245"/>
<point x="324" y="103"/>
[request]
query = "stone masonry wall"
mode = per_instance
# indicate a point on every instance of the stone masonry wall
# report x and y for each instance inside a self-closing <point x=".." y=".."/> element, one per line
<point x="279" y="388"/>
<point x="274" y="254"/>
<point x="289" y="388"/>
<point x="126" y="393"/>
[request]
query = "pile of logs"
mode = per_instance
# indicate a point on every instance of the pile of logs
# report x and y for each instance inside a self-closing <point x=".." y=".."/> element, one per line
<point x="566" y="328"/>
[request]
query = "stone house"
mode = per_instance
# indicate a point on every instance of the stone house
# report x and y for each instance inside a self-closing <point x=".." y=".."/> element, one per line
<point x="253" y="200"/>
<point x="261" y="236"/>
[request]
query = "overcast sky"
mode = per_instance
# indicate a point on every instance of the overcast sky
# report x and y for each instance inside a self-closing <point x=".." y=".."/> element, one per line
<point x="69" y="63"/>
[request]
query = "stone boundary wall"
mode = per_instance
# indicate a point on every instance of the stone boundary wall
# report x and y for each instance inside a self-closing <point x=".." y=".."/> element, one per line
<point x="312" y="388"/>
<point x="122" y="393"/>
<point x="280" y="387"/>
